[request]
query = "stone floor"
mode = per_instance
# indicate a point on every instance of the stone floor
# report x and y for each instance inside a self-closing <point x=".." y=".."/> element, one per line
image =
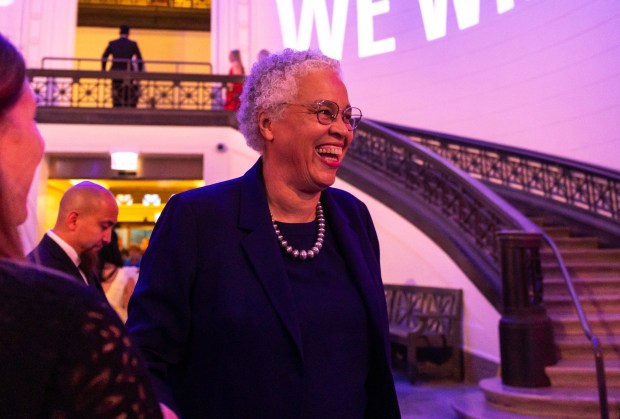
<point x="429" y="399"/>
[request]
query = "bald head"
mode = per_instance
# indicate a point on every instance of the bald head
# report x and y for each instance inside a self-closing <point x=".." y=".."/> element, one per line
<point x="86" y="217"/>
<point x="84" y="197"/>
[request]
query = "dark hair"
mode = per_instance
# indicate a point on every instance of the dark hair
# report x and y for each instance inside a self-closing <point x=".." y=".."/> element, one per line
<point x="12" y="77"/>
<point x="110" y="253"/>
<point x="124" y="29"/>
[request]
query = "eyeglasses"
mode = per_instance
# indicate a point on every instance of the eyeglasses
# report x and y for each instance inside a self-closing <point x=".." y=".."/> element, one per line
<point x="327" y="111"/>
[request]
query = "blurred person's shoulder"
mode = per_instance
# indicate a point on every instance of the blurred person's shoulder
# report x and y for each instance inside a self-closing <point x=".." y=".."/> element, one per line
<point x="42" y="289"/>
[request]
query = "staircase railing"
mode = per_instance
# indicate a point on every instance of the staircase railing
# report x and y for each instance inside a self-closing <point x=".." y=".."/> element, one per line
<point x="455" y="209"/>
<point x="573" y="184"/>
<point x="462" y="215"/>
<point x="581" y="186"/>
<point x="594" y="341"/>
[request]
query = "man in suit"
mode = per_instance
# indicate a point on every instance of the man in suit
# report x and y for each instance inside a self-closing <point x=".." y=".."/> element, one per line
<point x="124" y="51"/>
<point x="86" y="217"/>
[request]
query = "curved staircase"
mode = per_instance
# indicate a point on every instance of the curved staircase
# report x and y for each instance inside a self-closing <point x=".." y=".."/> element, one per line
<point x="595" y="273"/>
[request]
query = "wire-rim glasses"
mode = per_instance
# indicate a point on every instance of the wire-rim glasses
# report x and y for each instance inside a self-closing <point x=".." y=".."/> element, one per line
<point x="327" y="111"/>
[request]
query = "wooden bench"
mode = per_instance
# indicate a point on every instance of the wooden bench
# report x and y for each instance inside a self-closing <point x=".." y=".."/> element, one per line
<point x="426" y="330"/>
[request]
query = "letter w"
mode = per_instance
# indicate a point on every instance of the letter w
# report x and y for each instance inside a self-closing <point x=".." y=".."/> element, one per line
<point x="331" y="38"/>
<point x="435" y="15"/>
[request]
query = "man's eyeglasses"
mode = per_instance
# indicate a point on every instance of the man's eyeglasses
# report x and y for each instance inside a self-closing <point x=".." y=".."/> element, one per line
<point x="327" y="111"/>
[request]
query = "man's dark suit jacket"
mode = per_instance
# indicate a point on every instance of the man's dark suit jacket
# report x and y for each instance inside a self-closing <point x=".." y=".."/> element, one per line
<point x="122" y="49"/>
<point x="213" y="311"/>
<point x="49" y="253"/>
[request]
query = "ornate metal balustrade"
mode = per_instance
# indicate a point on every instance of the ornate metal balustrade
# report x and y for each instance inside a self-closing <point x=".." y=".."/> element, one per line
<point x="93" y="89"/>
<point x="192" y="4"/>
<point x="124" y="97"/>
<point x="128" y="64"/>
<point x="569" y="183"/>
<point x="464" y="217"/>
<point x="459" y="213"/>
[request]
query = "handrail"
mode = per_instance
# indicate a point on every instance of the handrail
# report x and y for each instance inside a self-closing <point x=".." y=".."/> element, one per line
<point x="423" y="187"/>
<point x="505" y="211"/>
<point x="596" y="346"/>
<point x="518" y="220"/>
<point x="65" y="91"/>
<point x="175" y="64"/>
<point x="572" y="184"/>
<point x="194" y="4"/>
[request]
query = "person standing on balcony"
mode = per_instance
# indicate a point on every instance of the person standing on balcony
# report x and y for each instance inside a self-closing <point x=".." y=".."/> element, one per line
<point x="263" y="53"/>
<point x="262" y="296"/>
<point x="126" y="56"/>
<point x="233" y="90"/>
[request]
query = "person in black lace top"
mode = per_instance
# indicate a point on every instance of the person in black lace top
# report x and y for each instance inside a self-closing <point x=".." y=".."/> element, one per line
<point x="63" y="351"/>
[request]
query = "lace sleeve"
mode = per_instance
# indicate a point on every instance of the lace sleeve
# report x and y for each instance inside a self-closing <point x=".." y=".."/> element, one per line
<point x="101" y="374"/>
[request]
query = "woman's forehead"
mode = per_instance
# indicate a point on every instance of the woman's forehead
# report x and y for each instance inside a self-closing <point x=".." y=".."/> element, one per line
<point x="321" y="84"/>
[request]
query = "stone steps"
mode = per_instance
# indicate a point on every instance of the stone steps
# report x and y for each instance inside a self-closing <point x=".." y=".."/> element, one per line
<point x="600" y="324"/>
<point x="581" y="373"/>
<point x="574" y="243"/>
<point x="582" y="255"/>
<point x="595" y="275"/>
<point x="580" y="269"/>
<point x="499" y="401"/>
<point x="579" y="347"/>
<point x="592" y="286"/>
<point x="555" y="232"/>
<point x="563" y="304"/>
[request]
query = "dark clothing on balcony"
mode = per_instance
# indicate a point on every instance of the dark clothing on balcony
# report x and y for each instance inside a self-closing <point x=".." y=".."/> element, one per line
<point x="123" y="50"/>
<point x="125" y="92"/>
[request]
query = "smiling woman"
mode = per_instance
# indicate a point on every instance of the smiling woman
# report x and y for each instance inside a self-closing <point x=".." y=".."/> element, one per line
<point x="281" y="269"/>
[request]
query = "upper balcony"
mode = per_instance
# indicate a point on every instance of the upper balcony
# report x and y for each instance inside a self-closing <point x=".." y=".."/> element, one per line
<point x="169" y="93"/>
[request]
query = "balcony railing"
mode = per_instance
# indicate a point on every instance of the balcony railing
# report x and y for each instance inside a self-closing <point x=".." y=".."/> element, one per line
<point x="586" y="193"/>
<point x="129" y="97"/>
<point x="183" y="4"/>
<point x="159" y="66"/>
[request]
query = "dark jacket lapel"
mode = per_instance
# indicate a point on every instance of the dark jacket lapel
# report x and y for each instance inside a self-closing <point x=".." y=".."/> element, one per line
<point x="261" y="247"/>
<point x="360" y="258"/>
<point x="49" y="253"/>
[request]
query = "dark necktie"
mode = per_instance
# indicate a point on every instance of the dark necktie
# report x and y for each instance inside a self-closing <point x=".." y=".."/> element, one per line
<point x="86" y="271"/>
<point x="91" y="277"/>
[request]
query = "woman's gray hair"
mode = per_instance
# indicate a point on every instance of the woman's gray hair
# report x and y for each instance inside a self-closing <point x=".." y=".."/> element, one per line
<point x="273" y="82"/>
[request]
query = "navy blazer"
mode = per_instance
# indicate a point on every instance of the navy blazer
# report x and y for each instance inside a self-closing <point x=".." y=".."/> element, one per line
<point x="122" y="49"/>
<point x="214" y="315"/>
<point x="48" y="253"/>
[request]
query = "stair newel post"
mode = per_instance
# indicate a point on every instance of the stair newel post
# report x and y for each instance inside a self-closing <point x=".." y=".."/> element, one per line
<point x="526" y="334"/>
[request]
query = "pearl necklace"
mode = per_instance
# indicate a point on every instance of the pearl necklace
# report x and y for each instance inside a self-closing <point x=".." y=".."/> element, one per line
<point x="304" y="254"/>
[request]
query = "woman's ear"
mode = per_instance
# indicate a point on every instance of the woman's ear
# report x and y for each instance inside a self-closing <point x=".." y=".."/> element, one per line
<point x="264" y="124"/>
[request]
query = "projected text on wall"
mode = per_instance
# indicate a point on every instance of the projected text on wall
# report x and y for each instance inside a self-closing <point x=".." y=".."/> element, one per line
<point x="331" y="32"/>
